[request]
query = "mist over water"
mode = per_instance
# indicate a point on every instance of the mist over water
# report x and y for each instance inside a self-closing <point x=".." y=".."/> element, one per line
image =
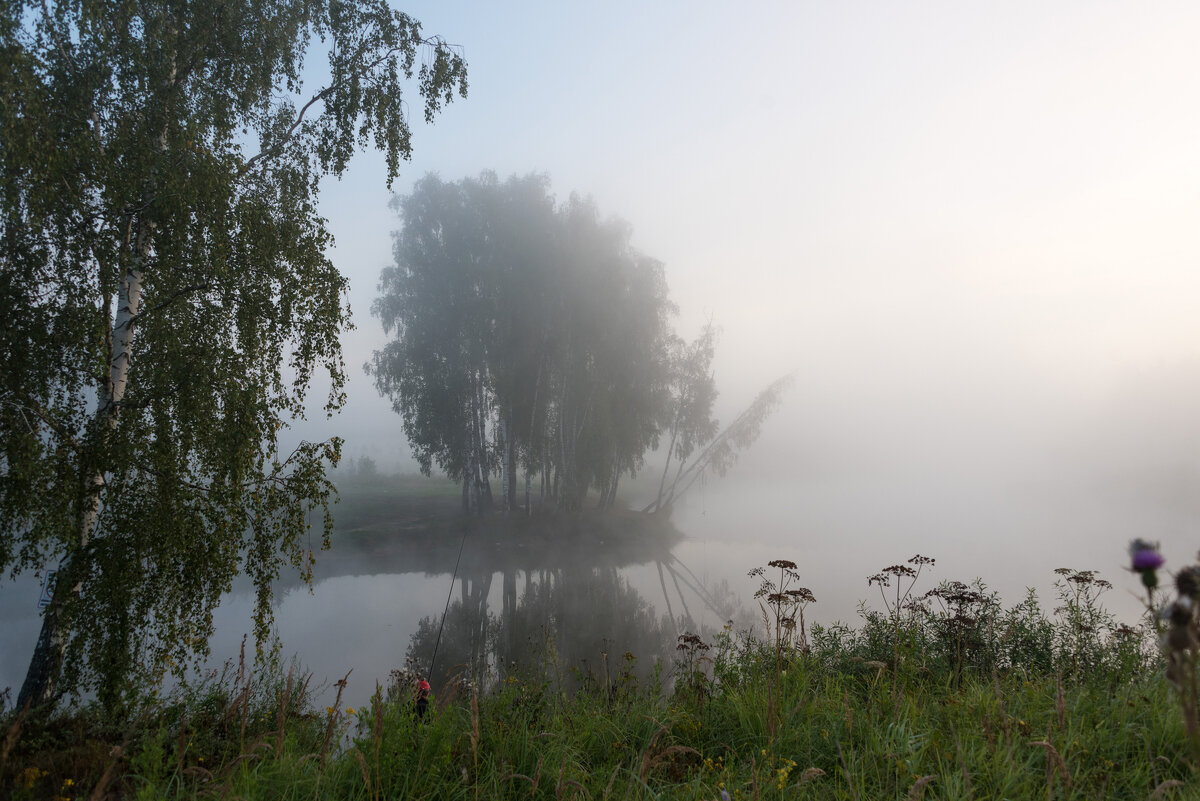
<point x="967" y="230"/>
<point x="970" y="232"/>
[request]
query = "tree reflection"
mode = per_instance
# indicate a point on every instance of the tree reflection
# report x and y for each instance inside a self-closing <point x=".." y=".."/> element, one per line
<point x="567" y="624"/>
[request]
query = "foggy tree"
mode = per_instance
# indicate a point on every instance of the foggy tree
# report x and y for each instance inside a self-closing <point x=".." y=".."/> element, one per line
<point x="610" y="366"/>
<point x="693" y="392"/>
<point x="720" y="453"/>
<point x="168" y="300"/>
<point x="526" y="336"/>
<point x="461" y="331"/>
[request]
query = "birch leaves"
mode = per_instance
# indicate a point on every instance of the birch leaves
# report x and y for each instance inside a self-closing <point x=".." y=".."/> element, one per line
<point x="163" y="254"/>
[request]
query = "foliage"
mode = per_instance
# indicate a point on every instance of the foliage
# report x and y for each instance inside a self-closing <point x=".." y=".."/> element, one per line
<point x="529" y="336"/>
<point x="168" y="300"/>
<point x="958" y="630"/>
<point x="849" y="729"/>
<point x="693" y="392"/>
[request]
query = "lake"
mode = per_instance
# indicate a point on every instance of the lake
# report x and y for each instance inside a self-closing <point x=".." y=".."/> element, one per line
<point x="567" y="603"/>
<point x="563" y="603"/>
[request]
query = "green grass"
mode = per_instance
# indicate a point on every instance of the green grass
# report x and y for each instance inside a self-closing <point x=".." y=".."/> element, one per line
<point x="380" y="504"/>
<point x="823" y="722"/>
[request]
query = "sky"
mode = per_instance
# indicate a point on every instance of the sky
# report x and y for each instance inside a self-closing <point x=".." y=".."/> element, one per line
<point x="969" y="228"/>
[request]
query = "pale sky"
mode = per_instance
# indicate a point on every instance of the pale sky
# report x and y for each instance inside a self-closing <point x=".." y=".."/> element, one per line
<point x="969" y="227"/>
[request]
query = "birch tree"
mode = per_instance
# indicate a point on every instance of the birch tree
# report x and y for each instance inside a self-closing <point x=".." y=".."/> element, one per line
<point x="168" y="301"/>
<point x="546" y="313"/>
<point x="440" y="300"/>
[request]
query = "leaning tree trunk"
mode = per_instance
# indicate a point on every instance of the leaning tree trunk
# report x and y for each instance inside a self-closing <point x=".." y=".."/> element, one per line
<point x="610" y="499"/>
<point x="46" y="662"/>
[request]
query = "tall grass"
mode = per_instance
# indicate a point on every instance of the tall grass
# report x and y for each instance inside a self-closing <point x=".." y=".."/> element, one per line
<point x="944" y="695"/>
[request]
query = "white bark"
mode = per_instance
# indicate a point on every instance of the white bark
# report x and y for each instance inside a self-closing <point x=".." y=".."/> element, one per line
<point x="506" y="479"/>
<point x="110" y="393"/>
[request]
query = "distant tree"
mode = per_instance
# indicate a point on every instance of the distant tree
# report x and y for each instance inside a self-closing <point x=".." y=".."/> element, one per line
<point x="458" y="329"/>
<point x="528" y="338"/>
<point x="610" y="366"/>
<point x="168" y="298"/>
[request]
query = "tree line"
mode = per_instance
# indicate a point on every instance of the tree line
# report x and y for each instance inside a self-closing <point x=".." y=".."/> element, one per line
<point x="532" y="349"/>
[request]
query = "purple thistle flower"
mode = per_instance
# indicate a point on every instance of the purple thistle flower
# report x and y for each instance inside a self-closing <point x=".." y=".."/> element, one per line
<point x="1147" y="560"/>
<point x="1145" y="555"/>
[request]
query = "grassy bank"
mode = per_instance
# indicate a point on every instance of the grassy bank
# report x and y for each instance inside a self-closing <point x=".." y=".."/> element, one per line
<point x="377" y="504"/>
<point x="374" y="508"/>
<point x="947" y="696"/>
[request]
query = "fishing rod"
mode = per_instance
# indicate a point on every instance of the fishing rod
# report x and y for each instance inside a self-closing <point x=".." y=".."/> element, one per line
<point x="449" y="592"/>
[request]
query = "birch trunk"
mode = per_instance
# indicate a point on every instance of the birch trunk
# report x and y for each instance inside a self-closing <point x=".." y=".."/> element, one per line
<point x="485" y="484"/>
<point x="510" y="464"/>
<point x="562" y="454"/>
<point x="46" y="662"/>
<point x="528" y="493"/>
<point x="616" y="480"/>
<point x="506" y="478"/>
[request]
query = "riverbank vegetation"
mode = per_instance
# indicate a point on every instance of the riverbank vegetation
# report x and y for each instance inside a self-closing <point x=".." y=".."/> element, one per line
<point x="410" y="511"/>
<point x="942" y="694"/>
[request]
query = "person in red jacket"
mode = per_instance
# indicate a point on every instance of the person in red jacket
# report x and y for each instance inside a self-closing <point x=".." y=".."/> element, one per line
<point x="422" y="698"/>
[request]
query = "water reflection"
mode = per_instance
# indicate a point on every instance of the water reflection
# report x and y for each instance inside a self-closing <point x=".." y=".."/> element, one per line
<point x="557" y="601"/>
<point x="562" y="623"/>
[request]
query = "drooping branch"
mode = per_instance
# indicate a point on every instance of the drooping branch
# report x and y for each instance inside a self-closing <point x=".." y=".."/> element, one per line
<point x="277" y="148"/>
<point x="319" y="97"/>
<point x="26" y="406"/>
<point x="157" y="307"/>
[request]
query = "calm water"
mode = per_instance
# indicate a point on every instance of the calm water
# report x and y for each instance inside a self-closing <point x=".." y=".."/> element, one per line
<point x="581" y="605"/>
<point x="566" y="607"/>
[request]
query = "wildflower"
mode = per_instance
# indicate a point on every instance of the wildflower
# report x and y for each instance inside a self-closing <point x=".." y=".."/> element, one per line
<point x="30" y="775"/>
<point x="1187" y="582"/>
<point x="1178" y="613"/>
<point x="349" y="710"/>
<point x="1145" y="559"/>
<point x="329" y="710"/>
